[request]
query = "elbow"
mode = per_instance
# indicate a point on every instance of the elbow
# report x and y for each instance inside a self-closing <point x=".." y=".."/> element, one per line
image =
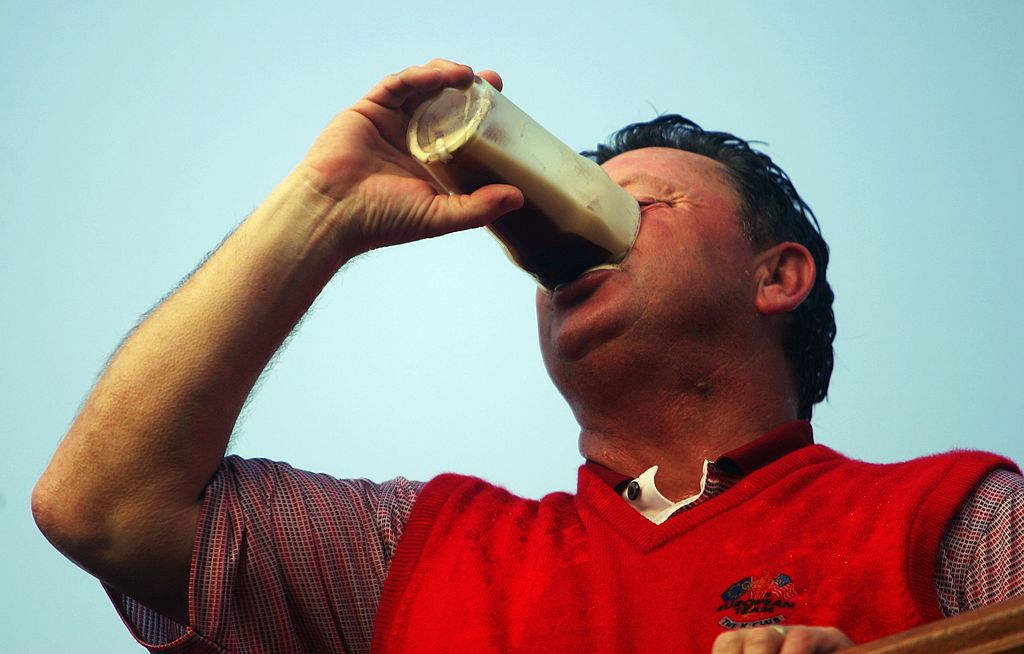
<point x="46" y="512"/>
<point x="44" y="509"/>
<point x="69" y="530"/>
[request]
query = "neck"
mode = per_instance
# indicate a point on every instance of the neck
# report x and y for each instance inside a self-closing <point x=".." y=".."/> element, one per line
<point x="676" y="421"/>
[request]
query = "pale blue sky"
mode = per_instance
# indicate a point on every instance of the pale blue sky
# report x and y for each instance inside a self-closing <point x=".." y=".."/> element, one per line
<point x="135" y="136"/>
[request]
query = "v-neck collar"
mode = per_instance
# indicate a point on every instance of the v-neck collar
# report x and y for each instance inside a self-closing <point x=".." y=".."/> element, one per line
<point x="646" y="536"/>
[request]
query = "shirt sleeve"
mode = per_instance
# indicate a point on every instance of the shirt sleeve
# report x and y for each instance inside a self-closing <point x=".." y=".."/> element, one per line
<point x="981" y="559"/>
<point x="284" y="561"/>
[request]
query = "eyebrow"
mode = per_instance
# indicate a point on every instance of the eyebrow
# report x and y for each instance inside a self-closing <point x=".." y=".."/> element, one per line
<point x="659" y="183"/>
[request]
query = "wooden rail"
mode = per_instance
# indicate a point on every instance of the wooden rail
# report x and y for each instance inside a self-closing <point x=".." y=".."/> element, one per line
<point x="996" y="629"/>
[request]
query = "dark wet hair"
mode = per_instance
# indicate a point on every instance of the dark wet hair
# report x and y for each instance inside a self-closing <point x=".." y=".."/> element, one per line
<point x="772" y="212"/>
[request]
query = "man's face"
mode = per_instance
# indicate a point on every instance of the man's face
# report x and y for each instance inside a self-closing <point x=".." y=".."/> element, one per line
<point x="687" y="278"/>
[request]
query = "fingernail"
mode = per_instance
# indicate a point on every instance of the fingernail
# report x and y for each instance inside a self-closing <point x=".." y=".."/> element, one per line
<point x="510" y="202"/>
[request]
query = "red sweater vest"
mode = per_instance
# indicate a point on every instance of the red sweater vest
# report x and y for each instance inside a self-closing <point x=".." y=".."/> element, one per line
<point x="813" y="538"/>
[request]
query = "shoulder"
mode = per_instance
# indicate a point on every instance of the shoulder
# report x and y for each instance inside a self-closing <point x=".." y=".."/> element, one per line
<point x="999" y="487"/>
<point x="996" y="503"/>
<point x="940" y="484"/>
<point x="263" y="494"/>
<point x="968" y="466"/>
<point x="267" y="478"/>
<point x="454" y="496"/>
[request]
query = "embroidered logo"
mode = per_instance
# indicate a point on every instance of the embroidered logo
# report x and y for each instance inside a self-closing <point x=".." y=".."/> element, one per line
<point x="757" y="600"/>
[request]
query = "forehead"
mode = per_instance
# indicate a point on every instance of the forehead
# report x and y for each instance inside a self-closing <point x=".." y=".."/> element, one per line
<point x="668" y="170"/>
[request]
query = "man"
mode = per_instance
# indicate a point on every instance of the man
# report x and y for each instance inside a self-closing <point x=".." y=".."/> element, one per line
<point x="717" y="329"/>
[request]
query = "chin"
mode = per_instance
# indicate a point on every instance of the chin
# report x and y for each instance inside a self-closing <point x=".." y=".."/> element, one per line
<point x="586" y="336"/>
<point x="581" y="342"/>
<point x="585" y="370"/>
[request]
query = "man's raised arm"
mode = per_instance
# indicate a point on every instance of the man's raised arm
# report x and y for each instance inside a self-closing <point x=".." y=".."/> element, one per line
<point x="122" y="494"/>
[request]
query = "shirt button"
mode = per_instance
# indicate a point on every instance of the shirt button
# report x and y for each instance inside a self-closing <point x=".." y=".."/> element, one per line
<point x="633" y="490"/>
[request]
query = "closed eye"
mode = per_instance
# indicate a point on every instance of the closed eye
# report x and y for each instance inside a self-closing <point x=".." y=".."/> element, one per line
<point x="650" y="204"/>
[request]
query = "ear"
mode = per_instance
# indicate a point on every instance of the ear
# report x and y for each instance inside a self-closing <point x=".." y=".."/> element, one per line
<point x="785" y="276"/>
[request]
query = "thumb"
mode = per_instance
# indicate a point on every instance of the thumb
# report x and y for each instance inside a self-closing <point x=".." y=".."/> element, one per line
<point x="483" y="206"/>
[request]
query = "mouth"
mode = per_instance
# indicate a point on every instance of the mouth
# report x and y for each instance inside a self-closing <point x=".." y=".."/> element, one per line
<point x="578" y="290"/>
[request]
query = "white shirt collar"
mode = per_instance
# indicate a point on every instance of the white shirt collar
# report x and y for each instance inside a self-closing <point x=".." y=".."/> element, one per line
<point x="650" y="502"/>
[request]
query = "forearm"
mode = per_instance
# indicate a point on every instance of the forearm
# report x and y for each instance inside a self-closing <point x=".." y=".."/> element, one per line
<point x="155" y="427"/>
<point x="122" y="494"/>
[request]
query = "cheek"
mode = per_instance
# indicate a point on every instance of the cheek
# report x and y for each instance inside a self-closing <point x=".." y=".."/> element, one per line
<point x="658" y="243"/>
<point x="666" y="250"/>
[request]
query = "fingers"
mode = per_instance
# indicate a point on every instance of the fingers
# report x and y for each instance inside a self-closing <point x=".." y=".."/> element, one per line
<point x="389" y="104"/>
<point x="781" y="640"/>
<point x="760" y="640"/>
<point x="492" y="78"/>
<point x="820" y="640"/>
<point x="395" y="90"/>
